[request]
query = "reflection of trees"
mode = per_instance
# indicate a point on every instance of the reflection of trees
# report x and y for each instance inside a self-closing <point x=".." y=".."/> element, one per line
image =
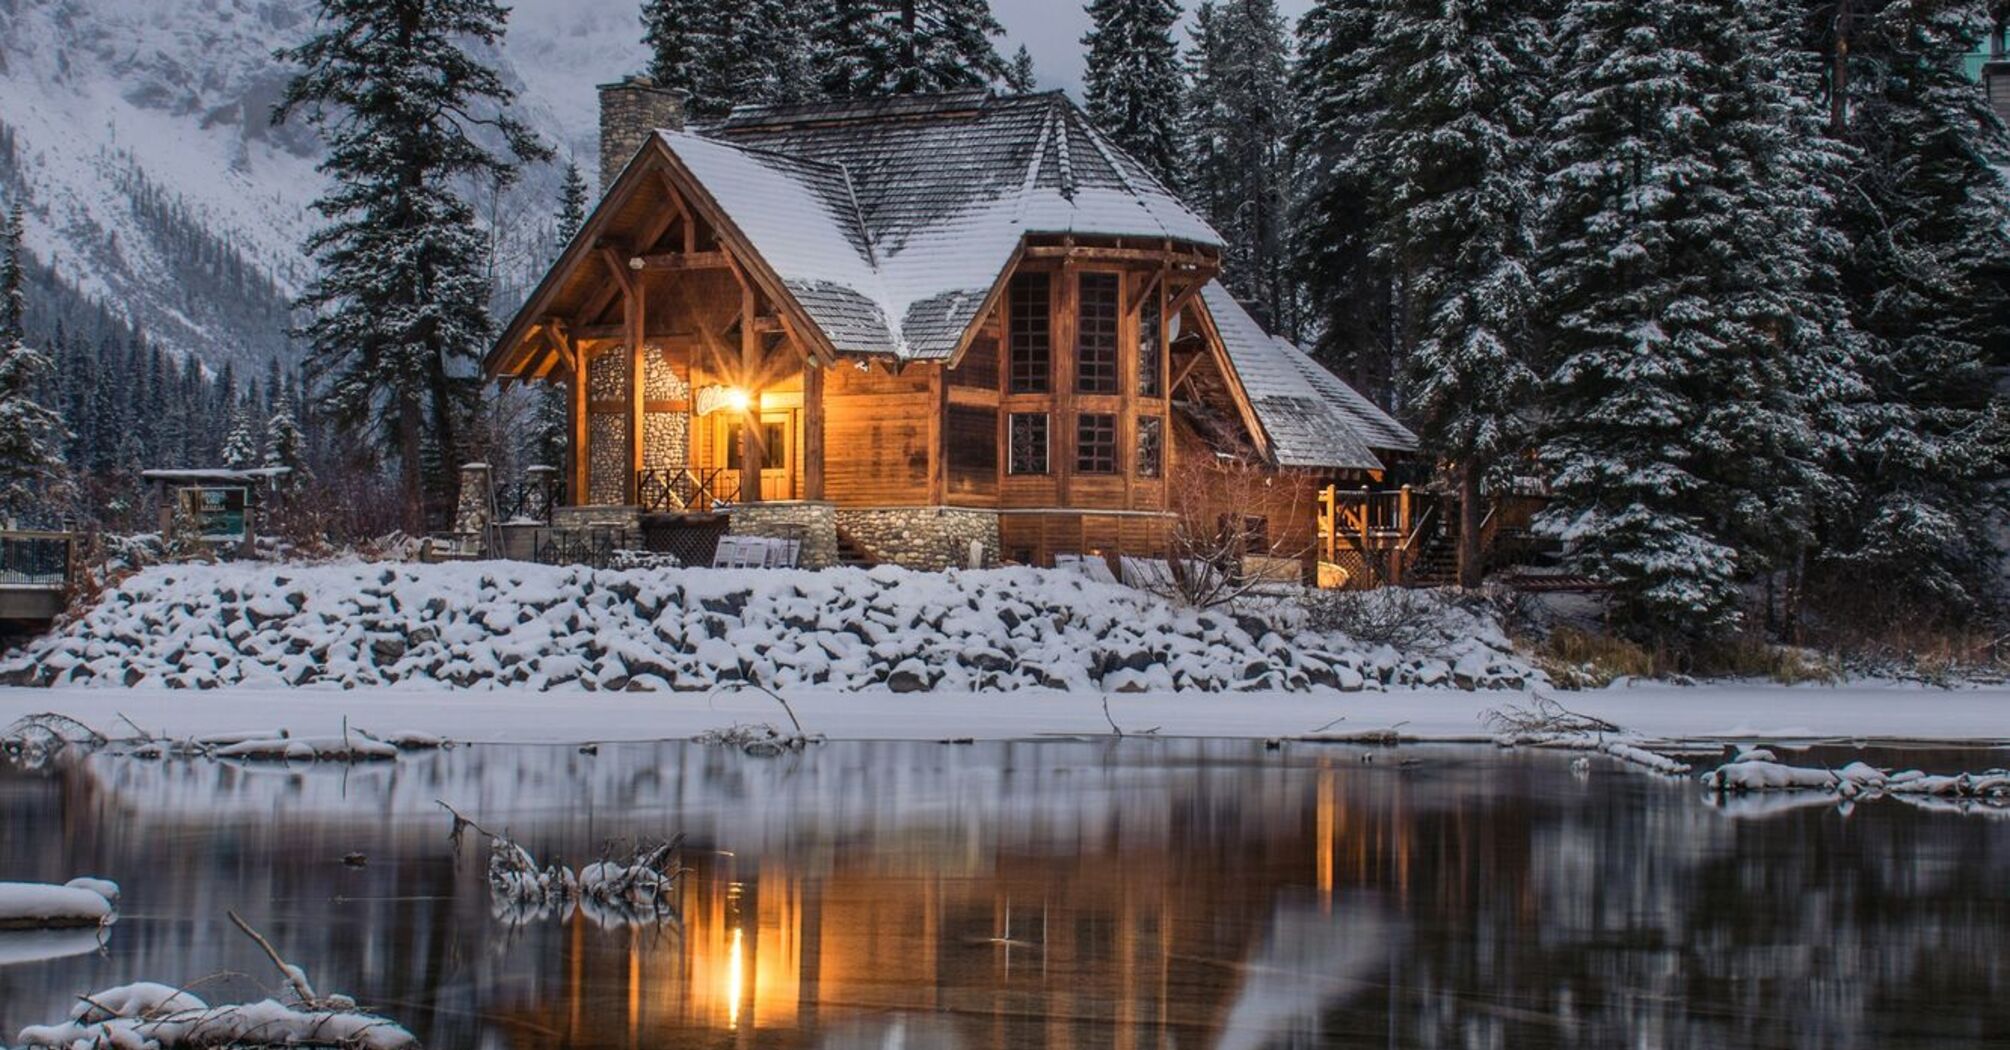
<point x="1151" y="894"/>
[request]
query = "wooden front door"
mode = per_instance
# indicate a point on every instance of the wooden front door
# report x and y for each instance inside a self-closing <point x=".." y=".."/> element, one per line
<point x="778" y="472"/>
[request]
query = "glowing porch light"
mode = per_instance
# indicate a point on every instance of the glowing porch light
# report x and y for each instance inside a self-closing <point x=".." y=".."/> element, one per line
<point x="716" y="397"/>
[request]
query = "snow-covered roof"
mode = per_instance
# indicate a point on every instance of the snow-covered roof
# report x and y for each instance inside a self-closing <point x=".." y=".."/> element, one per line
<point x="890" y="220"/>
<point x="218" y="474"/>
<point x="1312" y="418"/>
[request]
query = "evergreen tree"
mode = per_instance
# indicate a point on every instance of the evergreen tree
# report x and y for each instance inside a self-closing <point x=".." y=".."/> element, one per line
<point x="728" y="52"/>
<point x="31" y="435"/>
<point x="1019" y="76"/>
<point x="1683" y="269"/>
<point x="866" y="48"/>
<point x="285" y="443"/>
<point x="400" y="314"/>
<point x="571" y="205"/>
<point x="1926" y="286"/>
<point x="1133" y="84"/>
<point x="1348" y="290"/>
<point x="1240" y="117"/>
<point x="1444" y="135"/>
<point x="240" y="446"/>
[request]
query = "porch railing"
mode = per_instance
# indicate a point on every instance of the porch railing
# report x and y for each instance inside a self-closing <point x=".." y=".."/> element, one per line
<point x="42" y="560"/>
<point x="686" y="490"/>
<point x="529" y="500"/>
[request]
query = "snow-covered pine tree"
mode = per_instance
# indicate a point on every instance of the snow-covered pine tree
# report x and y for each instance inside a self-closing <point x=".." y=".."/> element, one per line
<point x="1348" y="290"/>
<point x="1927" y="289"/>
<point x="571" y="205"/>
<point x="1680" y="272"/>
<point x="240" y="445"/>
<point x="31" y="434"/>
<point x="1444" y="137"/>
<point x="728" y="52"/>
<point x="1240" y="119"/>
<point x="866" y="48"/>
<point x="285" y="443"/>
<point x="679" y="35"/>
<point x="399" y="304"/>
<point x="1019" y="76"/>
<point x="1133" y="84"/>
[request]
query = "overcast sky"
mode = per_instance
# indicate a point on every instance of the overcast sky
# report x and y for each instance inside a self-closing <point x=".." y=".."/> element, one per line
<point x="1052" y="30"/>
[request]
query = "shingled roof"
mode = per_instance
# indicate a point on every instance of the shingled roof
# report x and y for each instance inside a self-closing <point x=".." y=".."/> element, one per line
<point x="890" y="220"/>
<point x="1312" y="418"/>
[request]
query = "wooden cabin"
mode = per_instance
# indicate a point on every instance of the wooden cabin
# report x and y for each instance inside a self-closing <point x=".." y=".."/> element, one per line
<point x="920" y="330"/>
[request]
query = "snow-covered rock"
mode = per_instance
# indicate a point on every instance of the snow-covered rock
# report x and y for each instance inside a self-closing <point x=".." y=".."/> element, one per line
<point x="516" y="625"/>
<point x="150" y="1016"/>
<point x="83" y="902"/>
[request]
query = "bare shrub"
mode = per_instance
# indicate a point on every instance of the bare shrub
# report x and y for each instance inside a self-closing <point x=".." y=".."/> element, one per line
<point x="1394" y="616"/>
<point x="1234" y="532"/>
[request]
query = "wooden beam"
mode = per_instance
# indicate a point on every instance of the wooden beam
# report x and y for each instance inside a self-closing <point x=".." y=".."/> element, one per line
<point x="1086" y="253"/>
<point x="938" y="435"/>
<point x="624" y="280"/>
<point x="556" y="331"/>
<point x="684" y="261"/>
<point x="1184" y="296"/>
<point x="1146" y="290"/>
<point x="620" y="331"/>
<point x="1185" y="370"/>
<point x="813" y="431"/>
<point x="575" y="448"/>
<point x="637" y="386"/>
<point x="752" y="440"/>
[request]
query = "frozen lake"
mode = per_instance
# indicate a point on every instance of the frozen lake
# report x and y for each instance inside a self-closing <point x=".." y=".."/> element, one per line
<point x="1098" y="893"/>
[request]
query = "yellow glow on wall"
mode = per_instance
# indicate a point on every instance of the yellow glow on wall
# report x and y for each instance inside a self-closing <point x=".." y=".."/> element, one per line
<point x="736" y="978"/>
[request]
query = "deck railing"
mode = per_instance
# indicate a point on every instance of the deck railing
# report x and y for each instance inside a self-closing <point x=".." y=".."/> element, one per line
<point x="529" y="500"/>
<point x="686" y="490"/>
<point x="30" y="558"/>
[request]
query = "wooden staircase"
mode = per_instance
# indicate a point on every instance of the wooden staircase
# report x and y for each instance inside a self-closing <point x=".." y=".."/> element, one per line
<point x="851" y="553"/>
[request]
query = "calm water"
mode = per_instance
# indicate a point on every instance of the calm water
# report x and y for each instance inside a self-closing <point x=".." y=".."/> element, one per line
<point x="1127" y="894"/>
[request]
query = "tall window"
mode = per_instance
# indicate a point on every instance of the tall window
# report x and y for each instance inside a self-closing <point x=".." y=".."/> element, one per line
<point x="1030" y="338"/>
<point x="1150" y="334"/>
<point x="1098" y="307"/>
<point x="1095" y="443"/>
<point x="1029" y="443"/>
<point x="1151" y="446"/>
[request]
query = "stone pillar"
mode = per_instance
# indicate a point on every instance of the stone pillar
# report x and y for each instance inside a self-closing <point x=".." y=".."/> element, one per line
<point x="475" y="510"/>
<point x="630" y="110"/>
<point x="542" y="481"/>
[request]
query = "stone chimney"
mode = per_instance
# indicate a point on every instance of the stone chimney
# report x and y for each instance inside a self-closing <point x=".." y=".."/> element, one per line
<point x="629" y="111"/>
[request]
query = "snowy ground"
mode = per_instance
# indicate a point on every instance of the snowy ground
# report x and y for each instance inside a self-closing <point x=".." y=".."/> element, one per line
<point x="1712" y="712"/>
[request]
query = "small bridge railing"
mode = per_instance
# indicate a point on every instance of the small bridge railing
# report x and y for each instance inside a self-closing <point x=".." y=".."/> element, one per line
<point x="35" y="559"/>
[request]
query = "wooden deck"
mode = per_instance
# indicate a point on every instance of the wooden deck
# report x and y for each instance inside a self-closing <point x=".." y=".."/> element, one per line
<point x="36" y="570"/>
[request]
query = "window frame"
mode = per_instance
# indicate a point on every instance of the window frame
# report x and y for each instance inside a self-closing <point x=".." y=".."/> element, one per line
<point x="1107" y="367"/>
<point x="1105" y="444"/>
<point x="1155" y="424"/>
<point x="1020" y="377"/>
<point x="1046" y="429"/>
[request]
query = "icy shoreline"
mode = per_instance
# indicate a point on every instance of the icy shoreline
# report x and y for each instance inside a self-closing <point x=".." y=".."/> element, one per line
<point x="1651" y="712"/>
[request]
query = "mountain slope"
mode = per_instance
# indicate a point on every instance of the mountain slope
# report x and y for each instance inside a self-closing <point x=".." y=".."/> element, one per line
<point x="137" y="131"/>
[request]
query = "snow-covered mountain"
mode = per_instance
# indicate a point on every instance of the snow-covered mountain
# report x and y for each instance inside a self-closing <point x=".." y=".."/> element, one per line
<point x="154" y="180"/>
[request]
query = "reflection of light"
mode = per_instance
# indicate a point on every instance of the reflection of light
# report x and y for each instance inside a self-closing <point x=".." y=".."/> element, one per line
<point x="736" y="980"/>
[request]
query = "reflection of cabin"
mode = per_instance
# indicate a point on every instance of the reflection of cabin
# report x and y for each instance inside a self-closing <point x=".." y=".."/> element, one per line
<point x="909" y="329"/>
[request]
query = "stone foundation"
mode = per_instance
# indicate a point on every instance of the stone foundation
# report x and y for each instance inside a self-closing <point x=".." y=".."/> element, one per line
<point x="930" y="538"/>
<point x="628" y="519"/>
<point x="813" y="523"/>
